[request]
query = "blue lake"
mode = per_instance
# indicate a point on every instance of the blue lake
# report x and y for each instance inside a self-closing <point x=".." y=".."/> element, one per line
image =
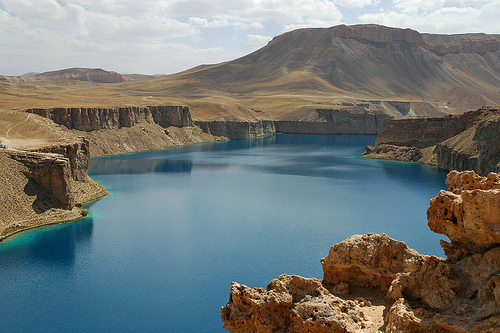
<point x="159" y="253"/>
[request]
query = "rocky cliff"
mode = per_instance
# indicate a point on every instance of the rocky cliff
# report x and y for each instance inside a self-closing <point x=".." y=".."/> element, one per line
<point x="77" y="153"/>
<point x="373" y="283"/>
<point x="237" y="129"/>
<point x="90" y="119"/>
<point x="322" y="121"/>
<point x="470" y="141"/>
<point x="51" y="171"/>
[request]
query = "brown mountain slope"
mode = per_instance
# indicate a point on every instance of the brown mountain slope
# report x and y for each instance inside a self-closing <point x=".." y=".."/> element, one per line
<point x="462" y="71"/>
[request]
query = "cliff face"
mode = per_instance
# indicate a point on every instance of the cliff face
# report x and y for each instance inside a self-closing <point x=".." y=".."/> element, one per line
<point x="52" y="171"/>
<point x="425" y="132"/>
<point x="336" y="122"/>
<point x="470" y="141"/>
<point x="78" y="155"/>
<point x="237" y="129"/>
<point x="395" y="288"/>
<point x="327" y="121"/>
<point x="90" y="119"/>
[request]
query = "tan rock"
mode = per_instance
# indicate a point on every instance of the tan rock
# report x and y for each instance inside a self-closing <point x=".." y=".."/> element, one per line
<point x="368" y="261"/>
<point x="290" y="304"/>
<point x="470" y="215"/>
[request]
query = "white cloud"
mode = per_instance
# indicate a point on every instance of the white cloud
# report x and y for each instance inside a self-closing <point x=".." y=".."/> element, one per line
<point x="258" y="40"/>
<point x="356" y="3"/>
<point x="483" y="17"/>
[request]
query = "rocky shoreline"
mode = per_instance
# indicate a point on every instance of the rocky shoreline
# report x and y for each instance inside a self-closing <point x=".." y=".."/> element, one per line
<point x="373" y="283"/>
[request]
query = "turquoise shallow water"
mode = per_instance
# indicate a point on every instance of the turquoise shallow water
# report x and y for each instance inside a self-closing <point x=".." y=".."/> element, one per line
<point x="159" y="253"/>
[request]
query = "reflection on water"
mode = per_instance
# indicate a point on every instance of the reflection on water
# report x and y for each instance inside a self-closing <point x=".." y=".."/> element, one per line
<point x="182" y="223"/>
<point x="55" y="245"/>
<point x="135" y="166"/>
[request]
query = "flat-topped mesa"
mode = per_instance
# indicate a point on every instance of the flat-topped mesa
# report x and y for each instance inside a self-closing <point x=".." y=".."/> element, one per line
<point x="90" y="119"/>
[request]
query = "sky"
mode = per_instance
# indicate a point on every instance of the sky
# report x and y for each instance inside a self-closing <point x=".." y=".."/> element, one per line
<point x="168" y="36"/>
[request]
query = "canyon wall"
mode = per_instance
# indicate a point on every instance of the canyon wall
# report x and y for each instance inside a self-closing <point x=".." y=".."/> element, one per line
<point x="335" y="122"/>
<point x="425" y="132"/>
<point x="237" y="129"/>
<point x="372" y="283"/>
<point x="328" y="121"/>
<point x="470" y="141"/>
<point x="90" y="119"/>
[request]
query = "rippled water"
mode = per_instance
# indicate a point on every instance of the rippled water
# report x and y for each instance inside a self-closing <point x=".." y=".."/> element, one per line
<point x="159" y="253"/>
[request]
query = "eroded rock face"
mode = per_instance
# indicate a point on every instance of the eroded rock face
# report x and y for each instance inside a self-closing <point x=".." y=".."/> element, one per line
<point x="91" y="119"/>
<point x="52" y="171"/>
<point x="469" y="214"/>
<point x="78" y="154"/>
<point x="423" y="293"/>
<point x="368" y="261"/>
<point x="290" y="303"/>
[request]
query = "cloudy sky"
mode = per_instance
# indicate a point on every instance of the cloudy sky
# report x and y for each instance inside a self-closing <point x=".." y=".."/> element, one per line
<point x="167" y="36"/>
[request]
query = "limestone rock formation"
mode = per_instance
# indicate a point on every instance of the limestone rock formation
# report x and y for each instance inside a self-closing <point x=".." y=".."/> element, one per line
<point x="367" y="261"/>
<point x="291" y="303"/>
<point x="52" y="171"/>
<point x="422" y="293"/>
<point x="469" y="214"/>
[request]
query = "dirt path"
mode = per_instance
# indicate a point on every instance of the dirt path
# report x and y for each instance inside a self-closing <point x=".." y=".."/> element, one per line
<point x="18" y="124"/>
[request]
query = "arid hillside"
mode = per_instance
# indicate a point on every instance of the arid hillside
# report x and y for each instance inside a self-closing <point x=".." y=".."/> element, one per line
<point x="364" y="61"/>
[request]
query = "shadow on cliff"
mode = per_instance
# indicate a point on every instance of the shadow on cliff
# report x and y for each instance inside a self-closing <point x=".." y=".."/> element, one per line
<point x="44" y="200"/>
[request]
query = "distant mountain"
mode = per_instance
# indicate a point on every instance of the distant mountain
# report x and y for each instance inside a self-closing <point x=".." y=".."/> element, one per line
<point x="96" y="75"/>
<point x="460" y="71"/>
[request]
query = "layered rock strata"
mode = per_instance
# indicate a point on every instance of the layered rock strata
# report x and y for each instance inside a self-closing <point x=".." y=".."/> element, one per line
<point x="418" y="293"/>
<point x="90" y="119"/>
<point x="235" y="130"/>
<point x="327" y="121"/>
<point x="470" y="141"/>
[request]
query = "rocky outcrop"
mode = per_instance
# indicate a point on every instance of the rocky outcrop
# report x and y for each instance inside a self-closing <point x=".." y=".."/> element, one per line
<point x="291" y="303"/>
<point x="237" y="129"/>
<point x="78" y="155"/>
<point x="425" y="132"/>
<point x="52" y="171"/>
<point x="422" y="293"/>
<point x="90" y="119"/>
<point x="469" y="213"/>
<point x="392" y="152"/>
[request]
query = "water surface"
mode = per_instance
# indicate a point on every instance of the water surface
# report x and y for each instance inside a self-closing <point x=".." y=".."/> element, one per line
<point x="159" y="253"/>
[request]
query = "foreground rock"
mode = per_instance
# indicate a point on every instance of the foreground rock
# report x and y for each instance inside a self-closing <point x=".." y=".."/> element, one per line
<point x="418" y="293"/>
